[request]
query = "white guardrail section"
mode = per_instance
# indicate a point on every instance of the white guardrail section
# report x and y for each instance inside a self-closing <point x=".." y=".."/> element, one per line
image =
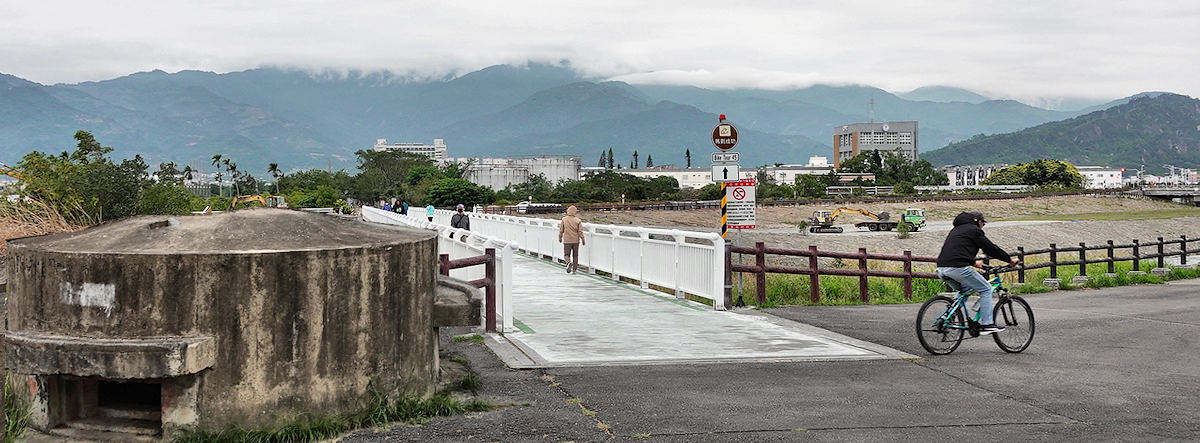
<point x="682" y="261"/>
<point x="474" y="246"/>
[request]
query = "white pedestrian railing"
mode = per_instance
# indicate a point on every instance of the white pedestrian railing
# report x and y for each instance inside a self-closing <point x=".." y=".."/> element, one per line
<point x="685" y="262"/>
<point x="460" y="244"/>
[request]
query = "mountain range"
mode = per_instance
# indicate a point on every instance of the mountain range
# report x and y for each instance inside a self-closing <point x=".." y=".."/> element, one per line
<point x="301" y="119"/>
<point x="1148" y="131"/>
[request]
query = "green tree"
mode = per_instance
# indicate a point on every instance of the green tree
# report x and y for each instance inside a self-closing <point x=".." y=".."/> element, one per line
<point x="635" y="160"/>
<point x="711" y="191"/>
<point x="904" y="188"/>
<point x="85" y="179"/>
<point x="453" y="191"/>
<point x="810" y="186"/>
<point x="649" y="161"/>
<point x="610" y="158"/>
<point x="687" y="157"/>
<point x="1042" y="173"/>
<point x="165" y="198"/>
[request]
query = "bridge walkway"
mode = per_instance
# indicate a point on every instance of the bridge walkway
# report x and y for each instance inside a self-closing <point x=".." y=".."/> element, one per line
<point x="584" y="320"/>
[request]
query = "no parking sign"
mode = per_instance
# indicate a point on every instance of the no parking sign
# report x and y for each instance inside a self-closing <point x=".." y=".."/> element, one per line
<point x="740" y="204"/>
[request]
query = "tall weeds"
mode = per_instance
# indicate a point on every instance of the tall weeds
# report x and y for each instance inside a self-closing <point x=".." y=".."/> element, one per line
<point x="26" y="218"/>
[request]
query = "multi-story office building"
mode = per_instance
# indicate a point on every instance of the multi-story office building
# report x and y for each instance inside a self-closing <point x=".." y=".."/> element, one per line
<point x="435" y="152"/>
<point x="853" y="139"/>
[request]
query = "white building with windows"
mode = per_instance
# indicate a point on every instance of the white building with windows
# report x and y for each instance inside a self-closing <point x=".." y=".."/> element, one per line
<point x="1101" y="177"/>
<point x="435" y="152"/>
<point x="787" y="174"/>
<point x="969" y="175"/>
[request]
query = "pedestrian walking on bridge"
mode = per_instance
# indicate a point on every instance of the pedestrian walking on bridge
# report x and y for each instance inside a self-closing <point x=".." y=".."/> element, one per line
<point x="570" y="234"/>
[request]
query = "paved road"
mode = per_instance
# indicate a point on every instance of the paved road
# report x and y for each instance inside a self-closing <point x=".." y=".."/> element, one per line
<point x="1115" y="364"/>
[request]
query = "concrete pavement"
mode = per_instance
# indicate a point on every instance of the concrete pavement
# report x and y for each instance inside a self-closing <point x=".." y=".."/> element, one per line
<point x="580" y="319"/>
<point x="1115" y="364"/>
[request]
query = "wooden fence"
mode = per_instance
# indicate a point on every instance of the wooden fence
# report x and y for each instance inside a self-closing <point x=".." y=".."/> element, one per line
<point x="1160" y="250"/>
<point x="488" y="282"/>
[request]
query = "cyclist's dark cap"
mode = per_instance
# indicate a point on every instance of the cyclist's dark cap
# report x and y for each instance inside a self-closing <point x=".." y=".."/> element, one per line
<point x="977" y="216"/>
<point x="965" y="218"/>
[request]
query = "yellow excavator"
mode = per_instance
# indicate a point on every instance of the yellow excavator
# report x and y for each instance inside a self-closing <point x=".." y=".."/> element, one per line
<point x="822" y="220"/>
<point x="272" y="201"/>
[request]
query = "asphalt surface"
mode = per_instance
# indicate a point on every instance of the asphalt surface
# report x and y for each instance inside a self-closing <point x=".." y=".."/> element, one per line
<point x="1118" y="364"/>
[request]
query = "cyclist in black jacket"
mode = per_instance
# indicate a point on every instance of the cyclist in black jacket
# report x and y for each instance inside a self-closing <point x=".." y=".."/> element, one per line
<point x="958" y="256"/>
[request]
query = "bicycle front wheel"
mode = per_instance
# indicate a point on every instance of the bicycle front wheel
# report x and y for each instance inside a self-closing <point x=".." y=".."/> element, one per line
<point x="940" y="334"/>
<point x="1017" y="318"/>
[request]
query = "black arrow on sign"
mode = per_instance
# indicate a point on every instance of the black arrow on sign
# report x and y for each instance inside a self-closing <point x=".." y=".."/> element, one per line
<point x="726" y="171"/>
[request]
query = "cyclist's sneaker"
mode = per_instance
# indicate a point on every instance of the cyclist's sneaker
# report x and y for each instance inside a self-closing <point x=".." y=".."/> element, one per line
<point x="990" y="329"/>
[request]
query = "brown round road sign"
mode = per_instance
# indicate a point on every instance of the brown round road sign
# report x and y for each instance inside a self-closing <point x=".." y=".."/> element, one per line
<point x="724" y="136"/>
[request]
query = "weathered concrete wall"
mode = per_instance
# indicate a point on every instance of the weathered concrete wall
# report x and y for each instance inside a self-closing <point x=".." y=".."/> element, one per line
<point x="295" y="331"/>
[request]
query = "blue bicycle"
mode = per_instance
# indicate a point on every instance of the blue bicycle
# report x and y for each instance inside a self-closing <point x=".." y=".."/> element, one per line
<point x="943" y="322"/>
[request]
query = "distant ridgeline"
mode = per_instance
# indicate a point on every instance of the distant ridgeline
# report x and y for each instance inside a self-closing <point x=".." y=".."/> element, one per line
<point x="1149" y="130"/>
<point x="303" y="120"/>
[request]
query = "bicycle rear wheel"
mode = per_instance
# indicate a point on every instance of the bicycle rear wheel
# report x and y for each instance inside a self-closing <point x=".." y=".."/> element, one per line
<point x="1016" y="316"/>
<point x="937" y="335"/>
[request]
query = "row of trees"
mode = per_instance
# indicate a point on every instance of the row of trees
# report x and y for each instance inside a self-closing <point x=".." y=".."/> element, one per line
<point x="86" y="185"/>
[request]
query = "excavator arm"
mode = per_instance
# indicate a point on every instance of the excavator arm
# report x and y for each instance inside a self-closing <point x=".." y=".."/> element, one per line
<point x="881" y="216"/>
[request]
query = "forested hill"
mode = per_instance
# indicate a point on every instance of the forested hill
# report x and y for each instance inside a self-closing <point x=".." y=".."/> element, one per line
<point x="1163" y="129"/>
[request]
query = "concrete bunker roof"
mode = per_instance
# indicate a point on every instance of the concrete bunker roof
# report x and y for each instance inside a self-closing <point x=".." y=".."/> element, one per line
<point x="253" y="230"/>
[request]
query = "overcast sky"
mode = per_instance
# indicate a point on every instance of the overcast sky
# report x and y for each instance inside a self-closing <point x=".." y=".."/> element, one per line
<point x="1011" y="49"/>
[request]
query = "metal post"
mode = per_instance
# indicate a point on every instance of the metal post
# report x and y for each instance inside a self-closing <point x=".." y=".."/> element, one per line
<point x="1111" y="267"/>
<point x="814" y="280"/>
<point x="1021" y="258"/>
<point x="908" y="277"/>
<point x="444" y="262"/>
<point x="1053" y="260"/>
<point x="1082" y="259"/>
<point x="489" y="273"/>
<point x="862" y="277"/>
<point x="1137" y="257"/>
<point x="760" y="260"/>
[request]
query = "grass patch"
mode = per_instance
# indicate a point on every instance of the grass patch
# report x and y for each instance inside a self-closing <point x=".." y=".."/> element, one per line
<point x="16" y="410"/>
<point x="380" y="411"/>
<point x="1112" y="216"/>
<point x="476" y="338"/>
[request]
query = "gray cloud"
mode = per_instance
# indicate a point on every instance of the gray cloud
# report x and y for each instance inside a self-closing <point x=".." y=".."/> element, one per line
<point x="1025" y="50"/>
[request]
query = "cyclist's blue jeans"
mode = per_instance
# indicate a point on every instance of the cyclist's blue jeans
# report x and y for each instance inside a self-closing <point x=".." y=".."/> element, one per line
<point x="968" y="277"/>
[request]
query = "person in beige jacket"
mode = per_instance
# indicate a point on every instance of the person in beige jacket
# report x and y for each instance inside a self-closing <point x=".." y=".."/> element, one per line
<point x="570" y="234"/>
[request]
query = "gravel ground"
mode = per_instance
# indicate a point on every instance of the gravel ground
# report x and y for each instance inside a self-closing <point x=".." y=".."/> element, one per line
<point x="776" y="225"/>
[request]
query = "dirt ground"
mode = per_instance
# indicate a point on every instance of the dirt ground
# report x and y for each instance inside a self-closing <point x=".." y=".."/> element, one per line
<point x="776" y="224"/>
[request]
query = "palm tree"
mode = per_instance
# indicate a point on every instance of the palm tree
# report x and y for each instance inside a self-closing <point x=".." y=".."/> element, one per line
<point x="188" y="172"/>
<point x="233" y="170"/>
<point x="273" y="169"/>
<point x="220" y="189"/>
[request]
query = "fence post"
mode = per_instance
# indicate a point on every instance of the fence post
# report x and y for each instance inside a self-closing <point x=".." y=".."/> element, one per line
<point x="1111" y="267"/>
<point x="444" y="264"/>
<point x="1137" y="256"/>
<point x="760" y="260"/>
<point x="1183" y="250"/>
<point x="908" y="277"/>
<point x="1160" y="252"/>
<point x="1021" y="270"/>
<point x="814" y="280"/>
<point x="1082" y="259"/>
<point x="862" y="276"/>
<point x="728" y="274"/>
<point x="1053" y="260"/>
<point x="489" y="273"/>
